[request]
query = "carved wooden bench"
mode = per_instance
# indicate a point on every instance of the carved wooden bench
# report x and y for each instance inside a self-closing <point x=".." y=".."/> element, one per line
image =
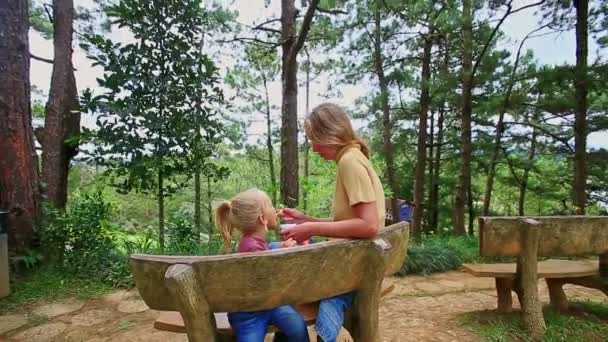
<point x="199" y="286"/>
<point x="528" y="238"/>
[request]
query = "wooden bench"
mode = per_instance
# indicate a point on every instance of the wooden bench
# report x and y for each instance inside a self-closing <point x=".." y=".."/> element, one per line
<point x="528" y="238"/>
<point x="200" y="287"/>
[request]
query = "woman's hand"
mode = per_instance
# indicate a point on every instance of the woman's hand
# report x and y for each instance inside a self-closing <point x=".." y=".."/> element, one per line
<point x="289" y="243"/>
<point x="293" y="216"/>
<point x="300" y="233"/>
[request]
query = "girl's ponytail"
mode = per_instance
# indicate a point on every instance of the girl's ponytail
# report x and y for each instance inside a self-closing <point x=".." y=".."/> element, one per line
<point x="224" y="223"/>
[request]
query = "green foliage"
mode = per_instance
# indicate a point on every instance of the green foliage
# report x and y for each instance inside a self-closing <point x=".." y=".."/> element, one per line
<point x="39" y="19"/>
<point x="586" y="326"/>
<point x="158" y="115"/>
<point x="439" y="254"/>
<point x="79" y="240"/>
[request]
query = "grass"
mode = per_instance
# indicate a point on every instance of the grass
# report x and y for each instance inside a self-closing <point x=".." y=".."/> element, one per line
<point x="587" y="322"/>
<point x="49" y="285"/>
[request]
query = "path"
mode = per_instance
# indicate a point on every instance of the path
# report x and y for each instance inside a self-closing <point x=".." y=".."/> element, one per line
<point x="420" y="309"/>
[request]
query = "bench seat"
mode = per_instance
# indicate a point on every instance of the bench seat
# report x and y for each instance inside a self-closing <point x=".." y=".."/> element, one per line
<point x="555" y="272"/>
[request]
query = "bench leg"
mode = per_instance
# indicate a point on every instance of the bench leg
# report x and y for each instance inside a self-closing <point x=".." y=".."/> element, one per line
<point x="504" y="286"/>
<point x="364" y="325"/>
<point x="557" y="296"/>
<point x="198" y="318"/>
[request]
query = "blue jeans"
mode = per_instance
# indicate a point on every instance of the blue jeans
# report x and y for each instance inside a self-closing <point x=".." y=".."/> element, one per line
<point x="331" y="315"/>
<point x="252" y="326"/>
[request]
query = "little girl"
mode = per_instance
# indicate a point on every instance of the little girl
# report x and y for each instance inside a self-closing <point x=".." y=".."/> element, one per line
<point x="252" y="213"/>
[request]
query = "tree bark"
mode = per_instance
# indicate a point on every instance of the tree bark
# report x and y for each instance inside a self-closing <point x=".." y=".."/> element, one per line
<point x="273" y="179"/>
<point x="209" y="206"/>
<point x="197" y="203"/>
<point x="465" y="120"/>
<point x="291" y="45"/>
<point x="425" y="102"/>
<point x="580" y="120"/>
<point x="19" y="190"/>
<point x="306" y="143"/>
<point x="500" y="128"/>
<point x="523" y="186"/>
<point x="161" y="209"/>
<point x="434" y="190"/>
<point x="62" y="120"/>
<point x="386" y="114"/>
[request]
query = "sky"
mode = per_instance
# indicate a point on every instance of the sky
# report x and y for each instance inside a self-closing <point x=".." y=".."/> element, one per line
<point x="555" y="49"/>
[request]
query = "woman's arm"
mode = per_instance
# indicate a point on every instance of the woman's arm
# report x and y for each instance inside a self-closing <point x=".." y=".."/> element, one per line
<point x="295" y="216"/>
<point x="364" y="226"/>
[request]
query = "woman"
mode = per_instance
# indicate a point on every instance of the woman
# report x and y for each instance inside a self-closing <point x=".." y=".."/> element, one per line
<point x="358" y="206"/>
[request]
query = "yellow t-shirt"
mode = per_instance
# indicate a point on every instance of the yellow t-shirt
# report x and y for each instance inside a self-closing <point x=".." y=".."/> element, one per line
<point x="356" y="182"/>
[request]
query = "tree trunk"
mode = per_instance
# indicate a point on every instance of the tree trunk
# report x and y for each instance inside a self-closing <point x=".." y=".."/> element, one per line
<point x="197" y="203"/>
<point x="431" y="162"/>
<point x="434" y="196"/>
<point x="209" y="206"/>
<point x="523" y="186"/>
<point x="306" y="143"/>
<point x="62" y="120"/>
<point x="18" y="165"/>
<point x="273" y="179"/>
<point x="291" y="45"/>
<point x="434" y="190"/>
<point x="580" y="120"/>
<point x="471" y="207"/>
<point x="467" y="107"/>
<point x="289" y="119"/>
<point x="425" y="102"/>
<point x="386" y="115"/>
<point x="500" y="128"/>
<point x="161" y="210"/>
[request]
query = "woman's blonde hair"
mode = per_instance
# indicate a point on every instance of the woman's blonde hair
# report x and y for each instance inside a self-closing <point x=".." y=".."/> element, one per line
<point x="328" y="124"/>
<point x="241" y="212"/>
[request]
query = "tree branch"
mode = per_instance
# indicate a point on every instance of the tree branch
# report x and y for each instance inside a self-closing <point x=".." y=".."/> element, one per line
<point x="504" y="17"/>
<point x="41" y="59"/>
<point x="327" y="11"/>
<point x="303" y="31"/>
<point x="252" y="40"/>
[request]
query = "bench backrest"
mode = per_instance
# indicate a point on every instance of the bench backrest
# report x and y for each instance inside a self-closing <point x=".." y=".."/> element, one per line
<point x="255" y="281"/>
<point x="559" y="235"/>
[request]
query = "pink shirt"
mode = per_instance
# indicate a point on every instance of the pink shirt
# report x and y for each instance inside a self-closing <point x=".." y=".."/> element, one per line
<point x="251" y="243"/>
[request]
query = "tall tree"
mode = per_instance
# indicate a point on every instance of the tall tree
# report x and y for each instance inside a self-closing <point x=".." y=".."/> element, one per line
<point x="580" y="117"/>
<point x="464" y="178"/>
<point x="59" y="138"/>
<point x="150" y="118"/>
<point x="18" y="165"/>
<point x="291" y="45"/>
<point x="387" y="125"/>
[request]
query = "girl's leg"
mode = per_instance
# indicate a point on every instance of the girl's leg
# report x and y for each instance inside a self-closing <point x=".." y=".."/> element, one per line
<point x="331" y="316"/>
<point x="290" y="322"/>
<point x="249" y="326"/>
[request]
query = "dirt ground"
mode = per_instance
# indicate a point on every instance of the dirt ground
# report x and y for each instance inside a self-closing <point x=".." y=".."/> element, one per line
<point x="419" y="309"/>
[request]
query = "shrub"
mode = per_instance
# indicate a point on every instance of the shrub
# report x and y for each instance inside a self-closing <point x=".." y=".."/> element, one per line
<point x="79" y="240"/>
<point x="438" y="253"/>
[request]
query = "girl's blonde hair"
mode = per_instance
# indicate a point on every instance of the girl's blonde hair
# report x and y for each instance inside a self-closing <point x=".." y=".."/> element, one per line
<point x="328" y="124"/>
<point x="241" y="212"/>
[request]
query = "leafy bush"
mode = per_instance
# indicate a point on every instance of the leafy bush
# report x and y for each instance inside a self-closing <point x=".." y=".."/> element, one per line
<point x="79" y="240"/>
<point x="439" y="253"/>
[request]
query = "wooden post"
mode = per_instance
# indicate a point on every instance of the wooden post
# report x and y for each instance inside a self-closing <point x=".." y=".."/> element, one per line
<point x="364" y="322"/>
<point x="527" y="279"/>
<point x="604" y="270"/>
<point x="198" y="317"/>
<point x="504" y="286"/>
<point x="557" y="296"/>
